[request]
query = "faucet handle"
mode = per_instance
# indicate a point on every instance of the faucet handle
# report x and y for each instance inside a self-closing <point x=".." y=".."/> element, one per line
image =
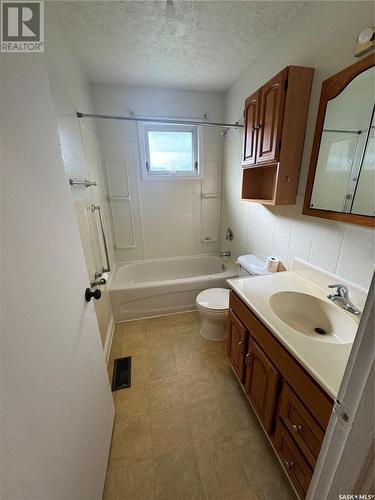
<point x="340" y="287"/>
<point x="341" y="297"/>
<point x="341" y="291"/>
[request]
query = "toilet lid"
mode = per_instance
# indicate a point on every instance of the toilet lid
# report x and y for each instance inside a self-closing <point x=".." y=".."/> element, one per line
<point x="214" y="298"/>
<point x="253" y="265"/>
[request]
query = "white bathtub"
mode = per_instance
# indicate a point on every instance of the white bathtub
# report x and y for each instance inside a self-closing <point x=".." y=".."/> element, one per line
<point x="163" y="286"/>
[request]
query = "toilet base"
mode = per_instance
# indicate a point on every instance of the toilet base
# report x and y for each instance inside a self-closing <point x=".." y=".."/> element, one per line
<point x="215" y="331"/>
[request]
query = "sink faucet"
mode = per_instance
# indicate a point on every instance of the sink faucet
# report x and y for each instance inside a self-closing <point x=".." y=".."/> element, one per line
<point x="226" y="253"/>
<point x="341" y="298"/>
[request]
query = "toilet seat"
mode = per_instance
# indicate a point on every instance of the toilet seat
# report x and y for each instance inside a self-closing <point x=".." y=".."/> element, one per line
<point x="214" y="299"/>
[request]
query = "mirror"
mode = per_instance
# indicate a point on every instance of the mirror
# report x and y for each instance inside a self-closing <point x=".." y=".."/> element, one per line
<point x="364" y="199"/>
<point x="341" y="183"/>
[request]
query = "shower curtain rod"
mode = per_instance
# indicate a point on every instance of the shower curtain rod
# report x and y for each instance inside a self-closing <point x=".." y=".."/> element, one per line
<point x="160" y="120"/>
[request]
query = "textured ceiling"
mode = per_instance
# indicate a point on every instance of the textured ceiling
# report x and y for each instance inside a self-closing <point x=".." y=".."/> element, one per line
<point x="206" y="45"/>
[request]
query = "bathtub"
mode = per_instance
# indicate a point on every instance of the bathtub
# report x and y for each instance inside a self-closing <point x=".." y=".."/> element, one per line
<point x="147" y="288"/>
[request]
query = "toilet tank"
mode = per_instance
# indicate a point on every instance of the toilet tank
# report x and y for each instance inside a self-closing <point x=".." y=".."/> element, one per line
<point x="250" y="265"/>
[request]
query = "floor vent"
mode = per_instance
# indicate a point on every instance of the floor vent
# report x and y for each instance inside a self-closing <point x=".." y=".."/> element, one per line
<point x="122" y="373"/>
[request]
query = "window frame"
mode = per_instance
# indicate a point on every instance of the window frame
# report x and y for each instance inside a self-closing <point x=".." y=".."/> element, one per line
<point x="145" y="127"/>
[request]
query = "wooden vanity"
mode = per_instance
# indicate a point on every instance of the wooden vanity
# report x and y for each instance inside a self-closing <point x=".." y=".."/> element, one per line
<point x="292" y="408"/>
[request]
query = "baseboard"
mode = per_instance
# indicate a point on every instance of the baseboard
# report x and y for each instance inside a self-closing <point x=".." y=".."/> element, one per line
<point x="109" y="338"/>
<point x="157" y="315"/>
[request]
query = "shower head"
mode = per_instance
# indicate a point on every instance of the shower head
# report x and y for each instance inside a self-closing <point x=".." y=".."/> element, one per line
<point x="224" y="131"/>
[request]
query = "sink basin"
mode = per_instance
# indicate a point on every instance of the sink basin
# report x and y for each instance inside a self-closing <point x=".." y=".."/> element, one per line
<point x="314" y="317"/>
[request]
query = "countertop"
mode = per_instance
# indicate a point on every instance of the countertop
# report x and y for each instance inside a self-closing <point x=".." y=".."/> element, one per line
<point x="324" y="361"/>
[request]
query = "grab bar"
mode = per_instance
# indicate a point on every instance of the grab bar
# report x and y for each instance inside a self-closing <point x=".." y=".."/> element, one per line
<point x="93" y="208"/>
<point x="85" y="183"/>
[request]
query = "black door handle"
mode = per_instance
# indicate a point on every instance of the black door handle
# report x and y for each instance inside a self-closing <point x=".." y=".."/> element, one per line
<point x="89" y="294"/>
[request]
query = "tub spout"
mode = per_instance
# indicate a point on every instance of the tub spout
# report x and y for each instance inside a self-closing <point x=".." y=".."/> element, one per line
<point x="226" y="253"/>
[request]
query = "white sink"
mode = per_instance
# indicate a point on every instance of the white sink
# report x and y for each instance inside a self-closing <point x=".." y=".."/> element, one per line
<point x="311" y="316"/>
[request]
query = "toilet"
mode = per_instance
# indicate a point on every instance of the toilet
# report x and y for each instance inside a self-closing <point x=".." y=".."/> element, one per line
<point x="213" y="303"/>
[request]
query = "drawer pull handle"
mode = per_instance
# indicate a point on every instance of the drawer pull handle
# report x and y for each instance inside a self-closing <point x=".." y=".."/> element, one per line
<point x="240" y="344"/>
<point x="297" y="428"/>
<point x="289" y="465"/>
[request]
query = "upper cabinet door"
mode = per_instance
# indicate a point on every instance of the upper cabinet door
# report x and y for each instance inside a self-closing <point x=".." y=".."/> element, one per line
<point x="271" y="119"/>
<point x="251" y="129"/>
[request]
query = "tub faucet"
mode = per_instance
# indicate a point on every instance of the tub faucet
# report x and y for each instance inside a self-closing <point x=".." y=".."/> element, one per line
<point x="341" y="298"/>
<point x="226" y="253"/>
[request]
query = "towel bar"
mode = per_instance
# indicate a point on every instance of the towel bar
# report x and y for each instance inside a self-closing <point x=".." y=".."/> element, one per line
<point x="85" y="183"/>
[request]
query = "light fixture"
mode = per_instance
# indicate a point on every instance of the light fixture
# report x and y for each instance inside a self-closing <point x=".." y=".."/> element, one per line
<point x="366" y="41"/>
<point x="170" y="10"/>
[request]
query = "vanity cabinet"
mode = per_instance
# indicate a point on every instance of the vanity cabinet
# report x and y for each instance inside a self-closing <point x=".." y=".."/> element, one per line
<point x="292" y="408"/>
<point x="274" y="129"/>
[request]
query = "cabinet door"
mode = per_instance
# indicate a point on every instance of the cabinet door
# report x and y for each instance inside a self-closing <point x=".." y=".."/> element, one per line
<point x="271" y="119"/>
<point x="251" y="129"/>
<point x="236" y="344"/>
<point x="261" y="384"/>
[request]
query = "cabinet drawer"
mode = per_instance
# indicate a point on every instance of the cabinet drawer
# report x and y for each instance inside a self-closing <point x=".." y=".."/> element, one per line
<point x="302" y="426"/>
<point x="294" y="462"/>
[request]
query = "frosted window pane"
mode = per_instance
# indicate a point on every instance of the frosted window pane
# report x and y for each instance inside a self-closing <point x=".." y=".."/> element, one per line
<point x="171" y="151"/>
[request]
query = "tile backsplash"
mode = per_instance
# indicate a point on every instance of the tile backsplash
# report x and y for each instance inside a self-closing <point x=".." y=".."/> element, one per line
<point x="342" y="249"/>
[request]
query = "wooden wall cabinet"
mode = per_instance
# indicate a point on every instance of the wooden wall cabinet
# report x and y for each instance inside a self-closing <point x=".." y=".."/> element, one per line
<point x="291" y="407"/>
<point x="274" y="129"/>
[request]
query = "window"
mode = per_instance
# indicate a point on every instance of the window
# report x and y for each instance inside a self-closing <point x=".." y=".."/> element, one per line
<point x="169" y="151"/>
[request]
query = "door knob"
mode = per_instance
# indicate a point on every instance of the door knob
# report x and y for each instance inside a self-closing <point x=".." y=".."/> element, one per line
<point x="89" y="294"/>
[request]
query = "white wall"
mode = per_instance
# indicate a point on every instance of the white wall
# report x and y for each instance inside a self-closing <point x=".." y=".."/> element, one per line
<point x="322" y="35"/>
<point x="81" y="155"/>
<point x="56" y="403"/>
<point x="167" y="214"/>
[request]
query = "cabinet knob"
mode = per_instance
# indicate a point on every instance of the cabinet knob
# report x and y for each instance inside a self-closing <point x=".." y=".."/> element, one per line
<point x="247" y="359"/>
<point x="289" y="465"/>
<point x="297" y="428"/>
<point x="240" y="344"/>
